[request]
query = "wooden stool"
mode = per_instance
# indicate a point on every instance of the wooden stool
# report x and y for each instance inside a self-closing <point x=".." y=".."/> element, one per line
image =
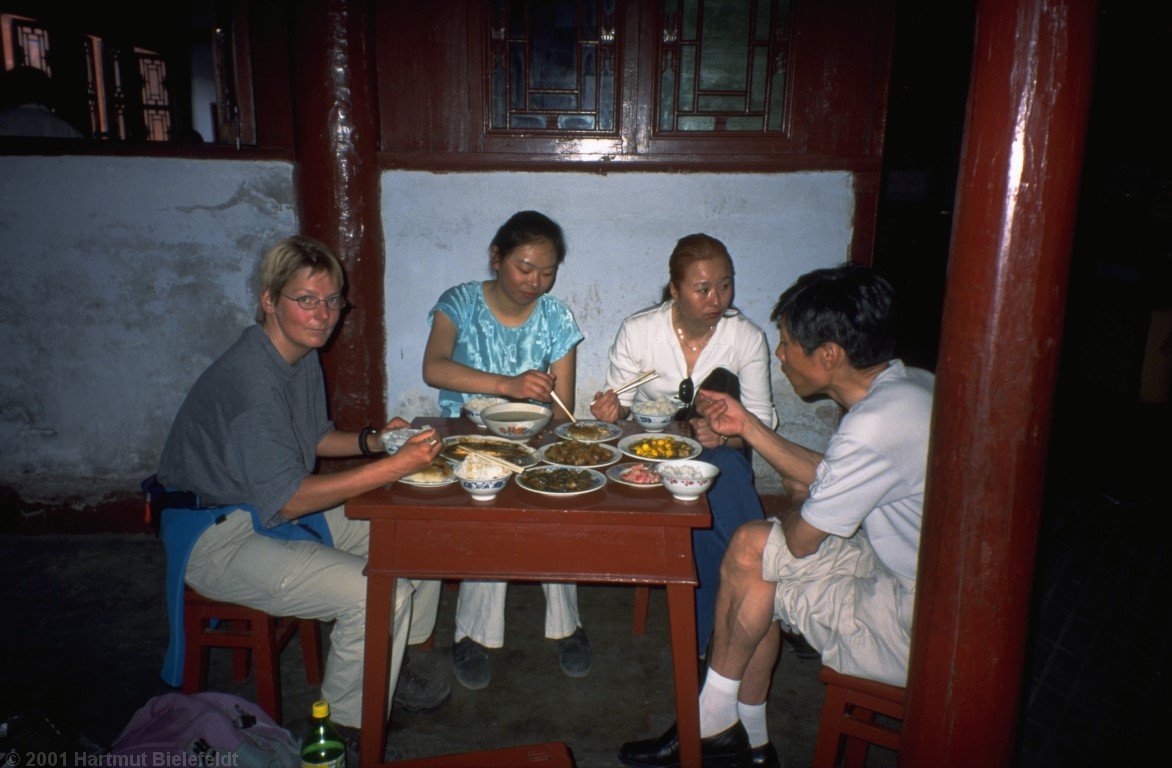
<point x="553" y="754"/>
<point x="254" y="635"/>
<point x="848" y="714"/>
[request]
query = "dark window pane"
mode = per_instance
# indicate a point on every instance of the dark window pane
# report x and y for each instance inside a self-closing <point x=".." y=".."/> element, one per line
<point x="554" y="102"/>
<point x="558" y="61"/>
<point x="731" y="65"/>
<point x="724" y="44"/>
<point x="576" y="122"/>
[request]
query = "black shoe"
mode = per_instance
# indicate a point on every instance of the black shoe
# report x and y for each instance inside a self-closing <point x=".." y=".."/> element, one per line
<point x="574" y="654"/>
<point x="801" y="646"/>
<point x="470" y="663"/>
<point x="419" y="695"/>
<point x="727" y="749"/>
<point x="764" y="756"/>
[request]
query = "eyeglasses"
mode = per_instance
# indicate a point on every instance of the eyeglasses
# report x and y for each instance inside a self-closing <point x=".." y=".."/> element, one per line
<point x="309" y="303"/>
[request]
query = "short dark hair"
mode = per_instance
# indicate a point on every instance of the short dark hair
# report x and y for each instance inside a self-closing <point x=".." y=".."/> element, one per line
<point x="849" y="305"/>
<point x="526" y="227"/>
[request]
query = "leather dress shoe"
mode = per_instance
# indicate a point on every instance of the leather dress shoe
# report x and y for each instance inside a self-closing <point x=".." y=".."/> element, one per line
<point x="764" y="756"/>
<point x="727" y="749"/>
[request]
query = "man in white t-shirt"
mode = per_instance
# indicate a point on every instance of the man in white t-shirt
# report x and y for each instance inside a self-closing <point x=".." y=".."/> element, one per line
<point x="839" y="565"/>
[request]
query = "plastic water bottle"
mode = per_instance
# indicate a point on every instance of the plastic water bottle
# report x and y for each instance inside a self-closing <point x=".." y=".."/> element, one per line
<point x="322" y="746"/>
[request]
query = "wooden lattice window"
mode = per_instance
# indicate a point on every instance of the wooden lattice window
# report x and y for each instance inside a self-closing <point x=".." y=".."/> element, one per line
<point x="722" y="66"/>
<point x="156" y="99"/>
<point x="554" y="66"/>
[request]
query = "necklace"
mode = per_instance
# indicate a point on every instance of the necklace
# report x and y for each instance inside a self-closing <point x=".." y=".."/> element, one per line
<point x="702" y="341"/>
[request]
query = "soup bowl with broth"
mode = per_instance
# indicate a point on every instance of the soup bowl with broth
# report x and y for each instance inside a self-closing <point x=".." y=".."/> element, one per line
<point x="516" y="421"/>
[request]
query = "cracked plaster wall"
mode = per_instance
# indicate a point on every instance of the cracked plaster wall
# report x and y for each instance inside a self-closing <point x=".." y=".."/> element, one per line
<point x="127" y="277"/>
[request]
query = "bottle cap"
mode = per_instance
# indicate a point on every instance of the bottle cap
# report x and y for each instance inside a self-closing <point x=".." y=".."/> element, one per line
<point x="321" y="709"/>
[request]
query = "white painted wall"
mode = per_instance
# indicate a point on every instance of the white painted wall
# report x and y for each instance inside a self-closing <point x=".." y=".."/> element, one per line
<point x="125" y="278"/>
<point x="620" y="231"/>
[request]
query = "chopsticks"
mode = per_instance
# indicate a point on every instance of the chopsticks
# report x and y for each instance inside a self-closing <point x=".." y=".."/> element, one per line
<point x="642" y="378"/>
<point x="517" y="468"/>
<point x="558" y="400"/>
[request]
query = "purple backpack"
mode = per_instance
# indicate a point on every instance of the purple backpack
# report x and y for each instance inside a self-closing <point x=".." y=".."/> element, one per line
<point x="206" y="729"/>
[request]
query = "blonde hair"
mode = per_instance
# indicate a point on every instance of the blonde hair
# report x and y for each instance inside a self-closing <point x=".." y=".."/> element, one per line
<point x="288" y="257"/>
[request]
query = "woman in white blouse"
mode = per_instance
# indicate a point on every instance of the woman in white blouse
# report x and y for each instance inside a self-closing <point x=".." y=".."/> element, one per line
<point x="693" y="333"/>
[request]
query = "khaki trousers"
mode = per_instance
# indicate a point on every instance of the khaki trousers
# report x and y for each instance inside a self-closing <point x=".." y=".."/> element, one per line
<point x="234" y="563"/>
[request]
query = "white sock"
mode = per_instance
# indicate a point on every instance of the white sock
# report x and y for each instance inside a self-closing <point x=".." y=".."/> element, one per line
<point x="718" y="704"/>
<point x="753" y="718"/>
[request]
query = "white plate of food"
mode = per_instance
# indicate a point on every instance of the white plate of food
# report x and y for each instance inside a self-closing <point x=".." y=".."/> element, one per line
<point x="435" y="475"/>
<point x="561" y="481"/>
<point x="636" y="474"/>
<point x="588" y="431"/>
<point x="574" y="453"/>
<point x="509" y="450"/>
<point x="656" y="446"/>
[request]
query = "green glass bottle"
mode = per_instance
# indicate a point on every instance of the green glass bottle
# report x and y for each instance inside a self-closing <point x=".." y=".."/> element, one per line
<point x="322" y="746"/>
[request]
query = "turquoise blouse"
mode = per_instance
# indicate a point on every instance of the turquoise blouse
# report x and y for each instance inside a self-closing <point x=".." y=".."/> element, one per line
<point x="483" y="343"/>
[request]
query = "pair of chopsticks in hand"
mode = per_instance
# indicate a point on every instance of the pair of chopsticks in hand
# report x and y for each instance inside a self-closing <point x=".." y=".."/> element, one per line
<point x="642" y="378"/>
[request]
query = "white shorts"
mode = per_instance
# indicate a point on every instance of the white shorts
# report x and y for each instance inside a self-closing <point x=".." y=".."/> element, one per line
<point x="846" y="603"/>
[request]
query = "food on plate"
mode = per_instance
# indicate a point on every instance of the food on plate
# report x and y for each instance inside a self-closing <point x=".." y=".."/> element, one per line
<point x="438" y="471"/>
<point x="586" y="431"/>
<point x="661" y="448"/>
<point x="578" y="454"/>
<point x="558" y="480"/>
<point x="458" y="449"/>
<point x="642" y="474"/>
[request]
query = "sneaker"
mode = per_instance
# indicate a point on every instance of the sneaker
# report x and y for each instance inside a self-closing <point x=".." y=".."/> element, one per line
<point x="419" y="695"/>
<point x="470" y="663"/>
<point x="574" y="654"/>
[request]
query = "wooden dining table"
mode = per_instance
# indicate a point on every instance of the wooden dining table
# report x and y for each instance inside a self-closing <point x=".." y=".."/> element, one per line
<point x="614" y="535"/>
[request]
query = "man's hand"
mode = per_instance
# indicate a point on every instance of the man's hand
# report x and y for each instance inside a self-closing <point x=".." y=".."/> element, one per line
<point x="723" y="413"/>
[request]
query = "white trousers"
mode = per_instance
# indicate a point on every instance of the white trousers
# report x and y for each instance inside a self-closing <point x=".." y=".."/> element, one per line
<point x="234" y="563"/>
<point x="480" y="611"/>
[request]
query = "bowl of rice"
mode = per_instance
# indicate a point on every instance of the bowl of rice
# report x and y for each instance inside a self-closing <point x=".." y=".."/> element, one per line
<point x="482" y="478"/>
<point x="687" y="479"/>
<point x="655" y="415"/>
<point x="393" y="439"/>
<point x="474" y="405"/>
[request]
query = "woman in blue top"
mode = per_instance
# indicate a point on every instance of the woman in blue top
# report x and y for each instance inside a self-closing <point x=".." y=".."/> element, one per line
<point x="507" y="336"/>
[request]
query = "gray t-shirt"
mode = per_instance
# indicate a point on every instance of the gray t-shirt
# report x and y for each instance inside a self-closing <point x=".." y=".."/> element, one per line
<point x="248" y="430"/>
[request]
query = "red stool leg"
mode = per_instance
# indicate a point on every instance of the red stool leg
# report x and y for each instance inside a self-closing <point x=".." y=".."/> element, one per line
<point x="267" y="665"/>
<point x="311" y="651"/>
<point x="639" y="615"/>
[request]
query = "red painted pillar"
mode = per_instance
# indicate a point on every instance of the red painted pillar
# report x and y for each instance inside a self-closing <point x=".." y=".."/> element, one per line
<point x="1006" y="288"/>
<point x="336" y="182"/>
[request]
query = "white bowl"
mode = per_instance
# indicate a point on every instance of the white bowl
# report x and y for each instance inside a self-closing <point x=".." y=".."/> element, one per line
<point x="687" y="479"/>
<point x="393" y="439"/>
<point x="474" y="405"/>
<point x="516" y="421"/>
<point x="645" y="414"/>
<point x="483" y="488"/>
